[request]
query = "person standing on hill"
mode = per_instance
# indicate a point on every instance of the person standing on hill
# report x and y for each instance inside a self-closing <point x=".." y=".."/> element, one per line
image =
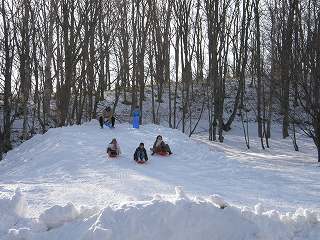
<point x="107" y="118"/>
<point x="136" y="117"/>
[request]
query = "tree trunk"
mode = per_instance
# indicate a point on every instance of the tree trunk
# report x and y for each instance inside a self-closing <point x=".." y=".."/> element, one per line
<point x="286" y="61"/>
<point x="176" y="57"/>
<point x="152" y="86"/>
<point x="25" y="65"/>
<point x="6" y="134"/>
<point x="47" y="88"/>
<point x="1" y="144"/>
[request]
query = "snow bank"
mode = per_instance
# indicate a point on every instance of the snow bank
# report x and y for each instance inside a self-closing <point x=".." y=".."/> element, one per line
<point x="184" y="219"/>
<point x="179" y="219"/>
<point x="57" y="215"/>
<point x="12" y="210"/>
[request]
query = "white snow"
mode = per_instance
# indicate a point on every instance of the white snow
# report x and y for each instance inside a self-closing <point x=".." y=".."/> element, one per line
<point x="58" y="215"/>
<point x="71" y="190"/>
<point x="180" y="219"/>
<point x="11" y="209"/>
<point x="218" y="201"/>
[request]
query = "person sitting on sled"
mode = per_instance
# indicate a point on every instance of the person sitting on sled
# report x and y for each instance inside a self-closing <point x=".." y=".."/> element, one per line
<point x="140" y="155"/>
<point x="160" y="146"/>
<point x="107" y="118"/>
<point x="113" y="149"/>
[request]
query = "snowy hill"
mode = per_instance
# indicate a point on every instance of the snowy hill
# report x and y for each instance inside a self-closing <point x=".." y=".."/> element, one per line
<point x="71" y="190"/>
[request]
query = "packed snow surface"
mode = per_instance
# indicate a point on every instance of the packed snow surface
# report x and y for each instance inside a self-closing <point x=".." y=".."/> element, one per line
<point x="61" y="185"/>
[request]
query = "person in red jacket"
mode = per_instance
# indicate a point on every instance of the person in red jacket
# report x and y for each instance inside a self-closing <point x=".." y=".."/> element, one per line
<point x="113" y="149"/>
<point x="160" y="146"/>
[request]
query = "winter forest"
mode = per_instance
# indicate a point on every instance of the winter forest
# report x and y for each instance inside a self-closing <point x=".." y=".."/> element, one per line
<point x="59" y="59"/>
<point x="159" y="119"/>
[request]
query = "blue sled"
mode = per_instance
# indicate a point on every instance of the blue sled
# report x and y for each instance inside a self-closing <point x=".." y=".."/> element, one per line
<point x="108" y="124"/>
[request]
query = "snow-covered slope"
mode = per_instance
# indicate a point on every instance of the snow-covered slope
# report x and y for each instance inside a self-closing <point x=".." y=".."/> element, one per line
<point x="118" y="199"/>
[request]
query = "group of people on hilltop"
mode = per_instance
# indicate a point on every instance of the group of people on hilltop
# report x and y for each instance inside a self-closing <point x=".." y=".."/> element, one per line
<point x="107" y="118"/>
<point x="140" y="155"/>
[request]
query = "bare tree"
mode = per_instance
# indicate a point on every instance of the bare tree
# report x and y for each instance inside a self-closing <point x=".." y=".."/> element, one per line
<point x="8" y="52"/>
<point x="48" y="45"/>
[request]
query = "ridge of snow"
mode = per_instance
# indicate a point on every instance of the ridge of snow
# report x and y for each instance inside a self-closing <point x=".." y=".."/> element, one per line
<point x="182" y="218"/>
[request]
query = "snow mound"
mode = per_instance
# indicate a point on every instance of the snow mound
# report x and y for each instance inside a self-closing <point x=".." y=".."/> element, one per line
<point x="12" y="210"/>
<point x="218" y="201"/>
<point x="20" y="234"/>
<point x="97" y="232"/>
<point x="182" y="218"/>
<point x="202" y="219"/>
<point x="57" y="215"/>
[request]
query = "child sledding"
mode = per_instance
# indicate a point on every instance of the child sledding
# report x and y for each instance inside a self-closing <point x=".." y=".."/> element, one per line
<point x="113" y="149"/>
<point x="140" y="155"/>
<point x="160" y="147"/>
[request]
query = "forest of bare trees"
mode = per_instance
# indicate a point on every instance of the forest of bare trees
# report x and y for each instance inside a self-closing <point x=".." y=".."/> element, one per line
<point x="58" y="59"/>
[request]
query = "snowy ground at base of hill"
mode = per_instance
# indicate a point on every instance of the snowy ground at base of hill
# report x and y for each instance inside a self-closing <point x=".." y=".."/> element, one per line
<point x="61" y="185"/>
<point x="181" y="218"/>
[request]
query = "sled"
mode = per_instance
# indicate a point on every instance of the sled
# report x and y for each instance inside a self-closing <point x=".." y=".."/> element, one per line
<point x="141" y="161"/>
<point x="112" y="155"/>
<point x="162" y="153"/>
<point x="108" y="124"/>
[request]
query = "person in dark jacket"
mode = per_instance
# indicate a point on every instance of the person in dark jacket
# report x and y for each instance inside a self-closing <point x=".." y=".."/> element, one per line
<point x="160" y="146"/>
<point x="140" y="155"/>
<point x="107" y="118"/>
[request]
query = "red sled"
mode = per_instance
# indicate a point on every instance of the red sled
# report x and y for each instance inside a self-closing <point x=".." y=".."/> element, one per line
<point x="162" y="153"/>
<point x="140" y="161"/>
<point x="112" y="155"/>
